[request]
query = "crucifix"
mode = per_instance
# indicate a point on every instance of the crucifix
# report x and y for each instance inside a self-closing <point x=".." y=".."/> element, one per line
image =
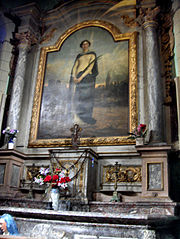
<point x="75" y="136"/>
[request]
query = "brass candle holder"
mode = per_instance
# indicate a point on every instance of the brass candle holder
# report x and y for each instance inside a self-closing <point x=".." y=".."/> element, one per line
<point x="115" y="197"/>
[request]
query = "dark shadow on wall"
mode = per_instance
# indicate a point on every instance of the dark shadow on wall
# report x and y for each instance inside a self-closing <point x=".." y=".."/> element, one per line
<point x="174" y="176"/>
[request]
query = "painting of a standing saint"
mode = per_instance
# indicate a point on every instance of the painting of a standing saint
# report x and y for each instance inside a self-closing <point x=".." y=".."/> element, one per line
<point x="86" y="82"/>
<point x="89" y="78"/>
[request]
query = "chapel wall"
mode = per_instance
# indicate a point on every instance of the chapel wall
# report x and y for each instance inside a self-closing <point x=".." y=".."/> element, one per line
<point x="6" y="29"/>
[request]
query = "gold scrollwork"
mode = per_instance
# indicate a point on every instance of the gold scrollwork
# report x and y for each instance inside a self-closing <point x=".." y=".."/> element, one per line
<point x="131" y="37"/>
<point x="125" y="174"/>
<point x="31" y="171"/>
<point x="129" y="21"/>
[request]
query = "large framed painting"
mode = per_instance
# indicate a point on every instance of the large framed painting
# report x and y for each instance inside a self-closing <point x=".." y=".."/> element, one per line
<point x="89" y="78"/>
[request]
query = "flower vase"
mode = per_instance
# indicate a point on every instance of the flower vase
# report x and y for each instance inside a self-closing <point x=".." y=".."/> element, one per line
<point x="54" y="198"/>
<point x="139" y="141"/>
<point x="10" y="145"/>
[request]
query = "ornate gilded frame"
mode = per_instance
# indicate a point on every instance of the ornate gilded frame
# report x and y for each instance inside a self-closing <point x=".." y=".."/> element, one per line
<point x="117" y="36"/>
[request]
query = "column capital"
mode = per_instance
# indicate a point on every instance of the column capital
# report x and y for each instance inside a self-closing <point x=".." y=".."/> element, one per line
<point x="148" y="17"/>
<point x="29" y="15"/>
<point x="152" y="24"/>
<point x="26" y="39"/>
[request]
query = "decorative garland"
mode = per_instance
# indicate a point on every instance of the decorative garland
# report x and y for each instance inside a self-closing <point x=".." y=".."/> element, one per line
<point x="72" y="166"/>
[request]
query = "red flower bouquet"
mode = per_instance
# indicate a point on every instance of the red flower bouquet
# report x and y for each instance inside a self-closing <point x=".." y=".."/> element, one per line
<point x="139" y="132"/>
<point x="47" y="179"/>
<point x="57" y="178"/>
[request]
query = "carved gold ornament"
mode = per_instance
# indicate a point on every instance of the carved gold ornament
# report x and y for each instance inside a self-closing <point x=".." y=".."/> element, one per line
<point x="118" y="140"/>
<point x="31" y="171"/>
<point x="129" y="21"/>
<point x="125" y="174"/>
<point x="26" y="38"/>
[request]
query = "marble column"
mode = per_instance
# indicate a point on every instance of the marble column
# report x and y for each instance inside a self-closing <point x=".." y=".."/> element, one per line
<point x="154" y="81"/>
<point x="18" y="84"/>
<point x="177" y="82"/>
<point x="176" y="29"/>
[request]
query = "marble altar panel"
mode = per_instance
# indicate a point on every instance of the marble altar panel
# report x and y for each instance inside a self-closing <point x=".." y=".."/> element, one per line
<point x="2" y="172"/>
<point x="154" y="176"/>
<point x="15" y="175"/>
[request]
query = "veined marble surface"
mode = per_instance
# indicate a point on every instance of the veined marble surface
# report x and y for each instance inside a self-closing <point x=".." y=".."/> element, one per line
<point x="135" y="219"/>
<point x="77" y="225"/>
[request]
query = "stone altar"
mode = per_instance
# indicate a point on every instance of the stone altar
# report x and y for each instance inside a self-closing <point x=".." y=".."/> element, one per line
<point x="136" y="216"/>
<point x="95" y="181"/>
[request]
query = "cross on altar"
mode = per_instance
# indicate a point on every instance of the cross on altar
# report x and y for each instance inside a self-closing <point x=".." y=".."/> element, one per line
<point x="75" y="136"/>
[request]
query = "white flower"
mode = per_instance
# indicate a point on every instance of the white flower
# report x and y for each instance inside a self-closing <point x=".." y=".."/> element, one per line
<point x="39" y="180"/>
<point x="44" y="171"/>
<point x="41" y="170"/>
<point x="62" y="174"/>
<point x="63" y="185"/>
